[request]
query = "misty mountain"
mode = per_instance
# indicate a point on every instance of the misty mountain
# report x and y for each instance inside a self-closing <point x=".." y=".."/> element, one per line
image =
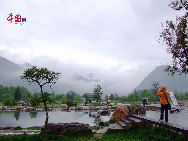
<point x="85" y="77"/>
<point x="177" y="82"/>
<point x="10" y="73"/>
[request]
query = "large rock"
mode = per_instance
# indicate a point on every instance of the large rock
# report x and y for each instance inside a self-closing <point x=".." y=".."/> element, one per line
<point x="120" y="113"/>
<point x="73" y="128"/>
<point x="133" y="109"/>
<point x="141" y="110"/>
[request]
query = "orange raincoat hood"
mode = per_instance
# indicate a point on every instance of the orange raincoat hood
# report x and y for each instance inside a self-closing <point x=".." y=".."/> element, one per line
<point x="163" y="88"/>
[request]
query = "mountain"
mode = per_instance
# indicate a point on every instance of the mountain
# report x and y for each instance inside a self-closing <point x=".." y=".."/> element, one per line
<point x="176" y="83"/>
<point x="10" y="73"/>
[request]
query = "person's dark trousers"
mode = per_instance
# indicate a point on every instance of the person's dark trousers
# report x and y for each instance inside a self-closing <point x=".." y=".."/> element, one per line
<point x="164" y="108"/>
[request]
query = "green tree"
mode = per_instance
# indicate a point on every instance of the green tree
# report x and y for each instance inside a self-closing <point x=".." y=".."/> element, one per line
<point x="17" y="94"/>
<point x="87" y="96"/>
<point x="41" y="76"/>
<point x="69" y="103"/>
<point x="35" y="99"/>
<point x="175" y="36"/>
<point x="131" y="97"/>
<point x="123" y="99"/>
<point x="77" y="98"/>
<point x="3" y="96"/>
<point x="97" y="93"/>
<point x="63" y="100"/>
<point x="10" y="101"/>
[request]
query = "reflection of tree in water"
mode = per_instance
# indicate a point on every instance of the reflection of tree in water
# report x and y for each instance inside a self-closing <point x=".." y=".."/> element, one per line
<point x="33" y="114"/>
<point x="96" y="116"/>
<point x="17" y="115"/>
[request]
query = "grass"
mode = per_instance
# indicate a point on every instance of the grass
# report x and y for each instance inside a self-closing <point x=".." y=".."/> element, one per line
<point x="105" y="124"/>
<point x="142" y="134"/>
<point x="134" y="134"/>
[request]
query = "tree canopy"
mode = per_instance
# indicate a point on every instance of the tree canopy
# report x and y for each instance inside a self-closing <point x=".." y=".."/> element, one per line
<point x="175" y="36"/>
<point x="41" y="76"/>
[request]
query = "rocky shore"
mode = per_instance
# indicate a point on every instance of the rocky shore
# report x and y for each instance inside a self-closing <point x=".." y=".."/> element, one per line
<point x="65" y="107"/>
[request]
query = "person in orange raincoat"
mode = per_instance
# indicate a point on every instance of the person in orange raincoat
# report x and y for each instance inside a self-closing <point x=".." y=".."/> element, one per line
<point x="163" y="102"/>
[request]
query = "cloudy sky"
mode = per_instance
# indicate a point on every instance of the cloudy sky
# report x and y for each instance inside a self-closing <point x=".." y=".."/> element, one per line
<point x="108" y="42"/>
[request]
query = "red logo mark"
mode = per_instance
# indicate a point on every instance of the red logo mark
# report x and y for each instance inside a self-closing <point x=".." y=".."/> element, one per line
<point x="18" y="18"/>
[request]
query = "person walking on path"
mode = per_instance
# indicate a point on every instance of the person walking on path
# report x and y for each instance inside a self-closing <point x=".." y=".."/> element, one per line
<point x="164" y="103"/>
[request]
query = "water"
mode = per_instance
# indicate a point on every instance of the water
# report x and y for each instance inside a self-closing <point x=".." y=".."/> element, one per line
<point x="178" y="118"/>
<point x="29" y="119"/>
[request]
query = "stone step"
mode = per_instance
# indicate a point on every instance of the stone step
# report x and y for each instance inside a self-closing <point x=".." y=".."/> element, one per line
<point x="122" y="124"/>
<point x="102" y="131"/>
<point x="136" y="122"/>
<point x="127" y="122"/>
<point x="115" y="126"/>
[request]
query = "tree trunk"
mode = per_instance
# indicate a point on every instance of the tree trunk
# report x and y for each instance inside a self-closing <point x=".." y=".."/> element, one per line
<point x="46" y="110"/>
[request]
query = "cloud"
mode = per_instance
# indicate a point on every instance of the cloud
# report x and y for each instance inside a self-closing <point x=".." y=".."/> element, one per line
<point x="116" y="40"/>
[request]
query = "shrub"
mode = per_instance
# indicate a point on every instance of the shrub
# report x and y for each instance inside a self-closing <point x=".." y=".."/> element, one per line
<point x="69" y="102"/>
<point x="9" y="101"/>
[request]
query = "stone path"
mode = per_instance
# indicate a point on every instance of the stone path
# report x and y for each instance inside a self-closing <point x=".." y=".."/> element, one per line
<point x="19" y="132"/>
<point x="142" y="121"/>
<point x="124" y="124"/>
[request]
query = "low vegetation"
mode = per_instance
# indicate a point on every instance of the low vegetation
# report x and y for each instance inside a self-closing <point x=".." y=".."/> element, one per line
<point x="11" y="96"/>
<point x="134" y="134"/>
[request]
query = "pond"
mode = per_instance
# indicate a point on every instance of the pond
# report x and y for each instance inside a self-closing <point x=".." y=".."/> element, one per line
<point x="30" y="119"/>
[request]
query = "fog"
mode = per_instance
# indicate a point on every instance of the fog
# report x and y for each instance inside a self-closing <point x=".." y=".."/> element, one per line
<point x="113" y="43"/>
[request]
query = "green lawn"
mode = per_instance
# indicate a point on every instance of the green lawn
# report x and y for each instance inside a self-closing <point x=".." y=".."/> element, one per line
<point x="136" y="134"/>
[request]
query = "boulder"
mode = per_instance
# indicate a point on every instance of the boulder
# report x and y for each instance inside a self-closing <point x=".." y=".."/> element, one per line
<point x="73" y="128"/>
<point x="133" y="109"/>
<point x="120" y="113"/>
<point x="141" y="110"/>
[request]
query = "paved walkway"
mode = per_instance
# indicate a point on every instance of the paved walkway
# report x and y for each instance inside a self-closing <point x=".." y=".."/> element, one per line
<point x="19" y="132"/>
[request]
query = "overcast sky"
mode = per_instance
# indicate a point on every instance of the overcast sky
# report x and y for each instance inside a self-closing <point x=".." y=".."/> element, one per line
<point x="108" y="42"/>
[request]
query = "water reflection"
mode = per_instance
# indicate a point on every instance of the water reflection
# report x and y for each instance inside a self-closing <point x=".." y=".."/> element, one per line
<point x="33" y="114"/>
<point x="96" y="116"/>
<point x="17" y="115"/>
<point x="37" y="118"/>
